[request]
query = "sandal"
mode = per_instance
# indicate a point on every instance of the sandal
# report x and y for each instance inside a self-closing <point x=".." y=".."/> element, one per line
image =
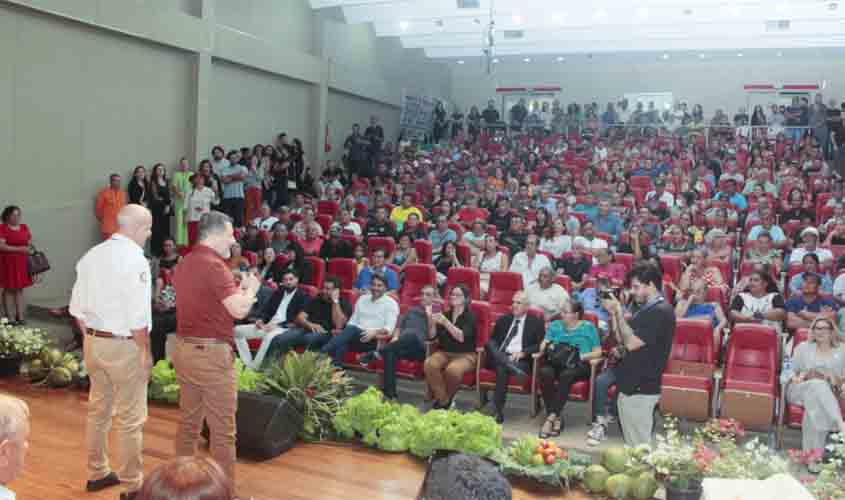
<point x="548" y="427"/>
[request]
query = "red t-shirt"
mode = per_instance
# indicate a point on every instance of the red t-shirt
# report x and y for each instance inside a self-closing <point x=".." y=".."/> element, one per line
<point x="468" y="215"/>
<point x="202" y="281"/>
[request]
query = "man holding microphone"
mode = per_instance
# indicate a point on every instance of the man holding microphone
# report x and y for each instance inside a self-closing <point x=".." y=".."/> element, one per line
<point x="112" y="304"/>
<point x="207" y="303"/>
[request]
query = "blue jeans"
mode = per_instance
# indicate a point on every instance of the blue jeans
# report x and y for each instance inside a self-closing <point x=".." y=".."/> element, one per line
<point x="295" y="337"/>
<point x="407" y="346"/>
<point x="603" y="382"/>
<point x="347" y="340"/>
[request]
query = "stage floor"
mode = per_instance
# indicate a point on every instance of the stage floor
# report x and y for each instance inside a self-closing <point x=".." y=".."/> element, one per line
<point x="55" y="468"/>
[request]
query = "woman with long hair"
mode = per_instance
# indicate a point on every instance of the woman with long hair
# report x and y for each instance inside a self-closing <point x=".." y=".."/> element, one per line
<point x="819" y="375"/>
<point x="15" y="239"/>
<point x="253" y="188"/>
<point x="447" y="259"/>
<point x="760" y="303"/>
<point x="490" y="260"/>
<point x="139" y="187"/>
<point x="160" y="208"/>
<point x="180" y="188"/>
<point x="199" y="202"/>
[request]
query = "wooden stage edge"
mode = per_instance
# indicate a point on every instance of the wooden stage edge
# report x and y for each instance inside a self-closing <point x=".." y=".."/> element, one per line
<point x="55" y="468"/>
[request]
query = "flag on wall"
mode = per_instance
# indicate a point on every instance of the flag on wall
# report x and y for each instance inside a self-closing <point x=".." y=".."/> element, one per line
<point x="328" y="147"/>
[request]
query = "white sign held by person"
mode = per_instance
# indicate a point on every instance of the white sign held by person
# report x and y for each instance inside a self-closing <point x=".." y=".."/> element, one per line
<point x="417" y="115"/>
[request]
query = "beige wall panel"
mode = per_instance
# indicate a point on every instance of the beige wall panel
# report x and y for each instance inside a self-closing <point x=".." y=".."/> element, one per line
<point x="286" y="23"/>
<point x="346" y="110"/>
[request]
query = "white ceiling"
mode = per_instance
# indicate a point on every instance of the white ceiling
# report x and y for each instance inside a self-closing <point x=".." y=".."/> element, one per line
<point x="565" y="27"/>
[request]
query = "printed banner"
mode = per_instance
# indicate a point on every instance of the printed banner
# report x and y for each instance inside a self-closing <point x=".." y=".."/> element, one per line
<point x="416" y="117"/>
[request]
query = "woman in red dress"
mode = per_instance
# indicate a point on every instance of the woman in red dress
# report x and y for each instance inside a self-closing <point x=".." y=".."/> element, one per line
<point x="14" y="272"/>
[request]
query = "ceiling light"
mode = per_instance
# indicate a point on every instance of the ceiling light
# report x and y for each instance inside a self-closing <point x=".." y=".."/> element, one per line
<point x="496" y="60"/>
<point x="560" y="59"/>
<point x="739" y="54"/>
<point x="517" y="19"/>
<point x="642" y="13"/>
<point x="461" y="61"/>
<point x="780" y="54"/>
<point x="701" y="56"/>
<point x="600" y="14"/>
<point x="734" y="10"/>
<point x="527" y="59"/>
<point x="665" y="56"/>
<point x="404" y="25"/>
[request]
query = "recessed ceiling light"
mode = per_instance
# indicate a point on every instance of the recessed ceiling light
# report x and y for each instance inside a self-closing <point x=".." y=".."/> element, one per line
<point x="404" y="25"/>
<point x="780" y="54"/>
<point x="461" y="61"/>
<point x="665" y="56"/>
<point x="642" y="13"/>
<point x="739" y="54"/>
<point x="701" y="56"/>
<point x="560" y="59"/>
<point x="496" y="61"/>
<point x="517" y="19"/>
<point x="527" y="59"/>
<point x="600" y="14"/>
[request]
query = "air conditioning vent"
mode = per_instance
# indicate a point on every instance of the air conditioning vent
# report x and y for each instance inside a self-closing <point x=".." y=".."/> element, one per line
<point x="469" y="4"/>
<point x="513" y="34"/>
<point x="777" y="26"/>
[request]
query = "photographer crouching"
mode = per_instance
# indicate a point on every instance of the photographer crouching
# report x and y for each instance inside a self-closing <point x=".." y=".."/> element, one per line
<point x="644" y="346"/>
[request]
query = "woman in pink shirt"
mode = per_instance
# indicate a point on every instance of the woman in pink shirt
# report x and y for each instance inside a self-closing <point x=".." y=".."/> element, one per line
<point x="606" y="267"/>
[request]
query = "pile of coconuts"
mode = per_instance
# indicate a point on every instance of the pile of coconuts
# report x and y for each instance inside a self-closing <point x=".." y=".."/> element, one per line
<point x="53" y="368"/>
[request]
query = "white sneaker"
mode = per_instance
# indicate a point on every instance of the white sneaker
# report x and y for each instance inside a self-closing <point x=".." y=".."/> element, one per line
<point x="596" y="434"/>
<point x="611" y="419"/>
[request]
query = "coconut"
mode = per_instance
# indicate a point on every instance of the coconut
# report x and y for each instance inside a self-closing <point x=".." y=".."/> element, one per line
<point x="72" y="366"/>
<point x="56" y="357"/>
<point x="59" y="377"/>
<point x="618" y="486"/>
<point x="37" y="371"/>
<point x="45" y="358"/>
<point x="615" y="459"/>
<point x="25" y="369"/>
<point x="595" y="478"/>
<point x="644" y="486"/>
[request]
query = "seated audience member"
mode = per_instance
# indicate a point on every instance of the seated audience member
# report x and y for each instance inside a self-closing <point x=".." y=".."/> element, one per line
<point x="456" y="476"/>
<point x="700" y="268"/>
<point x="501" y="217"/>
<point x="470" y="212"/>
<point x="571" y="331"/>
<point x="590" y="299"/>
<point x="336" y="246"/>
<point x="577" y="266"/>
<point x="377" y="266"/>
<point x="805" y="307"/>
<point x="447" y="260"/>
<point x="529" y="263"/>
<point x="359" y="253"/>
<point x="440" y="235"/>
<point x="554" y="241"/>
<point x="187" y="478"/>
<point x="413" y="228"/>
<point x="400" y="213"/>
<point x="380" y="225"/>
<point x="608" y="222"/>
<point x="455" y="354"/>
<point x="730" y="195"/>
<point x="475" y="238"/>
<point x="325" y="315"/>
<point x="818" y="369"/>
<point x="14" y="436"/>
<point x="346" y="224"/>
<point x="237" y="261"/>
<point x="767" y="225"/>
<point x="636" y="244"/>
<point x="252" y="240"/>
<point x="605" y="266"/>
<point x="491" y="260"/>
<point x="414" y="329"/>
<point x="516" y="235"/>
<point x="170" y="254"/>
<point x="404" y="253"/>
<point x="516" y="337"/>
<point x="164" y="314"/>
<point x="312" y="242"/>
<point x="675" y="242"/>
<point x="810" y="265"/>
<point x="267" y="220"/>
<point x="308" y="221"/>
<point x="696" y="306"/>
<point x="716" y="243"/>
<point x="589" y="240"/>
<point x="760" y="303"/>
<point x="660" y="194"/>
<point x="284" y="310"/>
<point x="809" y="244"/>
<point x="835" y="229"/>
<point x="546" y="294"/>
<point x="373" y="319"/>
<point x="763" y="251"/>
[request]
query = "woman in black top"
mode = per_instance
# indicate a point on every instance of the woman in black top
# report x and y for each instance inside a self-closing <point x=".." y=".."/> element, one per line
<point x="794" y="209"/>
<point x="447" y="259"/>
<point x="139" y="187"/>
<point x="169" y="255"/>
<point x="298" y="161"/>
<point x="456" y="332"/>
<point x="160" y="208"/>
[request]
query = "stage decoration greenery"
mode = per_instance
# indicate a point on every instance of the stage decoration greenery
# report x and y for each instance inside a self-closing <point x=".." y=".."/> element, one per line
<point x="21" y="341"/>
<point x="164" y="388"/>
<point x="829" y="483"/>
<point x="542" y="461"/>
<point x="315" y="387"/>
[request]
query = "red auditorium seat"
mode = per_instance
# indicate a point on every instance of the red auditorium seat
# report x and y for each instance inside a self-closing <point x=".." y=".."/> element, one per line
<point x="328" y="207"/>
<point x="464" y="254"/>
<point x="750" y="387"/>
<point x="310" y="290"/>
<point x="464" y="275"/>
<point x="687" y="389"/>
<point x="672" y="266"/>
<point x="416" y="277"/>
<point x="564" y="281"/>
<point x="346" y="270"/>
<point x="625" y="259"/>
<point x="503" y="286"/>
<point x="386" y="243"/>
<point x="325" y="222"/>
<point x="252" y="257"/>
<point x="423" y="248"/>
<point x="318" y="271"/>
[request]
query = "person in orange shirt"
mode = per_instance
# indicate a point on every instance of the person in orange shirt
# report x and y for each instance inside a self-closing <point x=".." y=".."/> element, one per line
<point x="109" y="202"/>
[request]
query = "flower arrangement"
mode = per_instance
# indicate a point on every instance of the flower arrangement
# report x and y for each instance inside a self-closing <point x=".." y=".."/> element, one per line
<point x="830" y="481"/>
<point x="716" y="430"/>
<point x="676" y="459"/>
<point x="753" y="460"/>
<point x="21" y="341"/>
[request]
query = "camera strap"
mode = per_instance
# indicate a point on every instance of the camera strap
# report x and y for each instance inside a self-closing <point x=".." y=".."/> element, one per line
<point x="651" y="304"/>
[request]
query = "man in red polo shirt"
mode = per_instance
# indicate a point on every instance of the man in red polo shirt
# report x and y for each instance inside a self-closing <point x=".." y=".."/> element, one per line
<point x="207" y="302"/>
<point x="471" y="211"/>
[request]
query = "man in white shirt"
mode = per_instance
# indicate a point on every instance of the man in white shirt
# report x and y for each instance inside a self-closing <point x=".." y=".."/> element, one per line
<point x="346" y="224"/>
<point x="284" y="310"/>
<point x="589" y="241"/>
<point x="218" y="162"/>
<point x="112" y="304"/>
<point x="810" y="239"/>
<point x="267" y="219"/>
<point x="14" y="441"/>
<point x="546" y="294"/>
<point x="529" y="263"/>
<point x="374" y="318"/>
<point x="660" y="193"/>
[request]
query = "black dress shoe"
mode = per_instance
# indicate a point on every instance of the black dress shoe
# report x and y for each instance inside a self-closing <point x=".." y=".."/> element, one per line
<point x="129" y="495"/>
<point x="500" y="417"/>
<point x="101" y="484"/>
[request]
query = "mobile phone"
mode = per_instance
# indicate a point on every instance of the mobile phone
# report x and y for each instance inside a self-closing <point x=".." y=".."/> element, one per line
<point x="436" y="308"/>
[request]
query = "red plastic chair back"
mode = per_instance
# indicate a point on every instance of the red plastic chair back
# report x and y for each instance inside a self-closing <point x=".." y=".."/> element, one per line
<point x="318" y="271"/>
<point x="346" y="270"/>
<point x="386" y="243"/>
<point x="423" y="248"/>
<point x="466" y="276"/>
<point x="416" y="277"/>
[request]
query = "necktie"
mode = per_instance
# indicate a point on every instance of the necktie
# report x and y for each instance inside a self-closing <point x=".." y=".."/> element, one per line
<point x="509" y="336"/>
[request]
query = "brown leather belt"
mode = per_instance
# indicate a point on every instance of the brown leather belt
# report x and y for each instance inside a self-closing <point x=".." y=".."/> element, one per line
<point x="107" y="335"/>
<point x="201" y="342"/>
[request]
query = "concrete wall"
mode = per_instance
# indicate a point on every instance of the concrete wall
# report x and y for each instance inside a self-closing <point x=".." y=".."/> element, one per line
<point x="347" y="110"/>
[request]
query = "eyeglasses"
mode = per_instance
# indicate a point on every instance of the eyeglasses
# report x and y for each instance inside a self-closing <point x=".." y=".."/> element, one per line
<point x="822" y="329"/>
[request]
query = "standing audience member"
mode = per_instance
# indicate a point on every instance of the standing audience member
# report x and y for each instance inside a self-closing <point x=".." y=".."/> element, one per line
<point x="455" y="356"/>
<point x="14" y="434"/>
<point x="15" y="240"/>
<point x="112" y="303"/>
<point x="253" y="188"/>
<point x="207" y="303"/>
<point x="109" y="202"/>
<point x="161" y="207"/>
<point x="187" y="478"/>
<point x="198" y="203"/>
<point x="180" y="188"/>
<point x="516" y="337"/>
<point x="139" y="187"/>
<point x="645" y="342"/>
<point x="232" y="177"/>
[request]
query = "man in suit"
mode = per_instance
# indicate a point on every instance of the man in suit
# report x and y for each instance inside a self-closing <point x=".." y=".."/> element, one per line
<point x="515" y="338"/>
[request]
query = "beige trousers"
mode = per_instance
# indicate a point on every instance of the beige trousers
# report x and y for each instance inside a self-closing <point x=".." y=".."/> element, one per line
<point x="444" y="372"/>
<point x="119" y="388"/>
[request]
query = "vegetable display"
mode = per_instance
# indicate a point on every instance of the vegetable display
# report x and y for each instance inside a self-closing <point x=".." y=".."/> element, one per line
<point x="541" y="461"/>
<point x="165" y="388"/>
<point x="53" y="368"/>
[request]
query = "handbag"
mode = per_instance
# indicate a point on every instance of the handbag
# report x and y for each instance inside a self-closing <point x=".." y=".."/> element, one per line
<point x="37" y="262"/>
<point x="563" y="356"/>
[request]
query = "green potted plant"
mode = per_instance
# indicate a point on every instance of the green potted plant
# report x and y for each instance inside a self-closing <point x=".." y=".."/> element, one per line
<point x="18" y="343"/>
<point x="679" y="463"/>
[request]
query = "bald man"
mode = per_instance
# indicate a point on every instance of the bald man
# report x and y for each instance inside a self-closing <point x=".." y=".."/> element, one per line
<point x="112" y="304"/>
<point x="14" y="441"/>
